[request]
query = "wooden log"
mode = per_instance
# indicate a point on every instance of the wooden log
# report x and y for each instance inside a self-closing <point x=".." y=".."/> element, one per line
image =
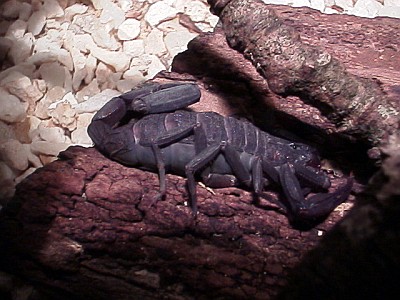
<point x="291" y="49"/>
<point x="86" y="225"/>
<point x="359" y="258"/>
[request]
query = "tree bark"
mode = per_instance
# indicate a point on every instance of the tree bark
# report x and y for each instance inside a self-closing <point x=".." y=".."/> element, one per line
<point x="359" y="258"/>
<point x="357" y="106"/>
<point x="86" y="225"/>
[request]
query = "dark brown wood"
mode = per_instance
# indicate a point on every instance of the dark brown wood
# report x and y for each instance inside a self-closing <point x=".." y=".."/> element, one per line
<point x="289" y="48"/>
<point x="86" y="225"/>
<point x="359" y="258"/>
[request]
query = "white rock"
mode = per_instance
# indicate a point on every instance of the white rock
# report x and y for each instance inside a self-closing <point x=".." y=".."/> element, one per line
<point x="134" y="75"/>
<point x="103" y="73"/>
<point x="392" y="3"/>
<point x="126" y="85"/>
<point x="88" y="91"/>
<point x="82" y="42"/>
<point x="125" y="5"/>
<point x="212" y="20"/>
<point x="68" y="98"/>
<point x="21" y="177"/>
<point x="300" y="3"/>
<point x="24" y="68"/>
<point x="11" y="9"/>
<point x="65" y="116"/>
<point x="68" y="81"/>
<point x="75" y="9"/>
<point x="159" y="12"/>
<point x="51" y="40"/>
<point x="52" y="9"/>
<point x="80" y="137"/>
<point x="5" y="45"/>
<point x="54" y="94"/>
<point x="90" y="66"/>
<point x="154" y="43"/>
<point x="330" y="11"/>
<point x="86" y="22"/>
<point x="17" y="29"/>
<point x="99" y="4"/>
<point x="90" y="24"/>
<point x="21" y="86"/>
<point x="176" y="42"/>
<point x="53" y="55"/>
<point x="129" y="29"/>
<point x="117" y="59"/>
<point x="48" y="148"/>
<point x="53" y="24"/>
<point x="133" y="48"/>
<point x="80" y="71"/>
<point x="389" y="11"/>
<point x="84" y="119"/>
<point x="345" y="4"/>
<point x="25" y="11"/>
<point x="93" y="104"/>
<point x="12" y="109"/>
<point x="171" y="25"/>
<point x="51" y="134"/>
<point x="36" y="22"/>
<point x="140" y="64"/>
<point x="53" y="73"/>
<point x="6" y="132"/>
<point x="32" y="158"/>
<point x="33" y="127"/>
<point x="112" y="14"/>
<point x="317" y="4"/>
<point x="105" y="40"/>
<point x="366" y="8"/>
<point x="197" y="11"/>
<point x="21" y="49"/>
<point x="14" y="154"/>
<point x="6" y="174"/>
<point x="279" y="2"/>
<point x="154" y="67"/>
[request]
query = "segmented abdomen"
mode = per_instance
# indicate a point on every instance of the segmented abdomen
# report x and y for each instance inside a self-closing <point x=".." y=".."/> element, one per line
<point x="242" y="135"/>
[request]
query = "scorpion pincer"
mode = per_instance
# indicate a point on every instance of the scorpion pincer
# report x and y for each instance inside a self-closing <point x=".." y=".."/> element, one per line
<point x="222" y="151"/>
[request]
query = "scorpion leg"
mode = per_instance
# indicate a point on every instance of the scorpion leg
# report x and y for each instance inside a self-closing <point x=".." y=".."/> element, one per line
<point x="170" y="137"/>
<point x="208" y="155"/>
<point x="304" y="212"/>
<point x="164" y="98"/>
<point x="313" y="177"/>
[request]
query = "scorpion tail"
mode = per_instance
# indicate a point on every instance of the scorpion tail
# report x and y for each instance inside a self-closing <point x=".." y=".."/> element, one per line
<point x="319" y="206"/>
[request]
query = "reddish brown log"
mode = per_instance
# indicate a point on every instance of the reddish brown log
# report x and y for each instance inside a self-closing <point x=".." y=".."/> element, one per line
<point x="358" y="107"/>
<point x="359" y="258"/>
<point x="85" y="225"/>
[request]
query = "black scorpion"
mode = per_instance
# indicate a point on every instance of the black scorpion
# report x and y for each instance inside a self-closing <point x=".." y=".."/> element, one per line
<point x="224" y="151"/>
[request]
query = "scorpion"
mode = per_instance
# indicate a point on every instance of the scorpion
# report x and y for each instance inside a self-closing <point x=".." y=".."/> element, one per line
<point x="158" y="135"/>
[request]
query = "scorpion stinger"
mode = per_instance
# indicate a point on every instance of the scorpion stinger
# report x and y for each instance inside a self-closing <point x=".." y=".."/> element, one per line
<point x="302" y="212"/>
<point x="223" y="151"/>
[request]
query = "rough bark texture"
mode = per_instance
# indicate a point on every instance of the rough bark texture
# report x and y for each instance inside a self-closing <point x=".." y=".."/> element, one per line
<point x="359" y="258"/>
<point x="84" y="225"/>
<point x="358" y="107"/>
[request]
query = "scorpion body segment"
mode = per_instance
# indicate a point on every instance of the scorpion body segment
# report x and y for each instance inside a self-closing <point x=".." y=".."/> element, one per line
<point x="223" y="151"/>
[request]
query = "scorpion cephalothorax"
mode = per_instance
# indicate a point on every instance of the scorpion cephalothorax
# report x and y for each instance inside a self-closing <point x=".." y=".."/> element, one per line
<point x="224" y="151"/>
